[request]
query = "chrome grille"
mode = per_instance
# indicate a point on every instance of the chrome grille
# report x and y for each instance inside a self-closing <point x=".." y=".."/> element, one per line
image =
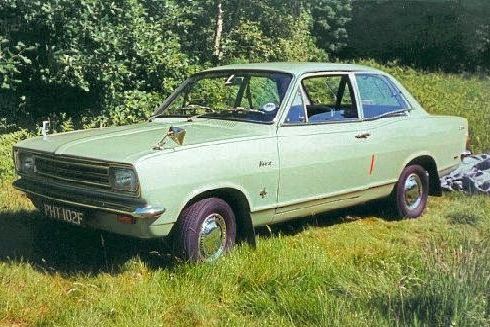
<point x="94" y="174"/>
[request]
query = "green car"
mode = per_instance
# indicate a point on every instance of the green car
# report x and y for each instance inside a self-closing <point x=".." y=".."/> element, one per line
<point x="240" y="146"/>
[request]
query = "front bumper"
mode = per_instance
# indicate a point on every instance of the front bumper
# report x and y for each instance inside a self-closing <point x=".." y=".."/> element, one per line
<point x="103" y="208"/>
<point x="73" y="196"/>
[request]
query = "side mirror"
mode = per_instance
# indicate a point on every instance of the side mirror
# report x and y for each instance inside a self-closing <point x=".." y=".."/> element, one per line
<point x="177" y="134"/>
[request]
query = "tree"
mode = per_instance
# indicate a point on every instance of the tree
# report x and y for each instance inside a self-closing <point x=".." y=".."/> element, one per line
<point x="218" y="31"/>
<point x="112" y="61"/>
<point x="441" y="34"/>
<point x="330" y="18"/>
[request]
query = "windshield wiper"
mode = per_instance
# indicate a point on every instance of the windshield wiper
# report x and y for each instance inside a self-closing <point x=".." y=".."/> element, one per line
<point x="241" y="110"/>
<point x="226" y="112"/>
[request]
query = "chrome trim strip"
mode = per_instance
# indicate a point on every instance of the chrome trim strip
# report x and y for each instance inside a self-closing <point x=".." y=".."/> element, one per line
<point x="326" y="196"/>
<point x="308" y="205"/>
<point x="146" y="212"/>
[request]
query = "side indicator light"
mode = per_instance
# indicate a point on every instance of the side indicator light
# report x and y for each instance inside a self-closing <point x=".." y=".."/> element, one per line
<point x="126" y="220"/>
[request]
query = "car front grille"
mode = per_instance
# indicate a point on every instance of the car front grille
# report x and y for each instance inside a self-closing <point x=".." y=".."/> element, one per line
<point x="74" y="170"/>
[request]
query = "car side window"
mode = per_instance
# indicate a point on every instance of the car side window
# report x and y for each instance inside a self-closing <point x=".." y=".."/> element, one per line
<point x="329" y="98"/>
<point x="379" y="95"/>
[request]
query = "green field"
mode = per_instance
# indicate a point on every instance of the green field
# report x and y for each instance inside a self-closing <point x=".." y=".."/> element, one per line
<point x="352" y="267"/>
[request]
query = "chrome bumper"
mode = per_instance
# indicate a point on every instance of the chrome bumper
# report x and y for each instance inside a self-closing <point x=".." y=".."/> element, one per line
<point x="90" y="200"/>
<point x="147" y="212"/>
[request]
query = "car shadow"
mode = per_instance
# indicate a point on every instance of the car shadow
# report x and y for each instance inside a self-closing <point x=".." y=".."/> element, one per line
<point x="55" y="247"/>
<point x="376" y="208"/>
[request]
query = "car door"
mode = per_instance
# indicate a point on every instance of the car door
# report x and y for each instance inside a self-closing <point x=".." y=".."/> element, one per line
<point x="320" y="145"/>
<point x="387" y="123"/>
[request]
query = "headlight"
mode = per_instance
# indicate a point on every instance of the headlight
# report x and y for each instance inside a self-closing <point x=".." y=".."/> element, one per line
<point x="24" y="162"/>
<point x="124" y="179"/>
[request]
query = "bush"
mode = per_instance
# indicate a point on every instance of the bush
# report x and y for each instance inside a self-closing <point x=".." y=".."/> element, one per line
<point x="452" y="36"/>
<point x="6" y="143"/>
<point x="82" y="57"/>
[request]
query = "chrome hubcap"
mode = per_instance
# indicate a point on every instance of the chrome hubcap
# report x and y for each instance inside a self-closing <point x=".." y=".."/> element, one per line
<point x="212" y="237"/>
<point x="413" y="191"/>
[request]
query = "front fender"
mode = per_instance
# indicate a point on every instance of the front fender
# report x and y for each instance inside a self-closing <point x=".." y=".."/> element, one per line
<point x="172" y="179"/>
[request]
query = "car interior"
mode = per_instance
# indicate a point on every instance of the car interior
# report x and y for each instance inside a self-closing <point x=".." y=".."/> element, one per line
<point x="329" y="98"/>
<point x="325" y="98"/>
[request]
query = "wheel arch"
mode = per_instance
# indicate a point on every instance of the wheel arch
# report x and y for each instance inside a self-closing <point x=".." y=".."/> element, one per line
<point x="430" y="165"/>
<point x="240" y="205"/>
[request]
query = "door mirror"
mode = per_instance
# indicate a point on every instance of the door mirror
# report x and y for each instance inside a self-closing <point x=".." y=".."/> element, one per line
<point x="176" y="134"/>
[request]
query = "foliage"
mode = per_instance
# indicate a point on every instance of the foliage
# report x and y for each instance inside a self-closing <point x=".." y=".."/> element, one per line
<point x="129" y="107"/>
<point x="104" y="63"/>
<point x="11" y="60"/>
<point x="6" y="162"/>
<point x="330" y="19"/>
<point x="88" y="54"/>
<point x="253" y="31"/>
<point x="448" y="35"/>
<point x="110" y="62"/>
<point x="87" y="63"/>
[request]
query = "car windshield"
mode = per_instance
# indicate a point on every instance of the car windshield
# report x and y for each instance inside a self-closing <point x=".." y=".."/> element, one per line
<point x="248" y="96"/>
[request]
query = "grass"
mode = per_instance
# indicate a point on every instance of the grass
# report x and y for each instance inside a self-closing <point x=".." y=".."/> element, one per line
<point x="347" y="268"/>
<point x="351" y="267"/>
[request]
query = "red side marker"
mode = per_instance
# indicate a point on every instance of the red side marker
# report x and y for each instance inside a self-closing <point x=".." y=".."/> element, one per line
<point x="372" y="165"/>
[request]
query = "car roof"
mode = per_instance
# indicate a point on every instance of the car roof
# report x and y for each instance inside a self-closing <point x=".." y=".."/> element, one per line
<point x="295" y="68"/>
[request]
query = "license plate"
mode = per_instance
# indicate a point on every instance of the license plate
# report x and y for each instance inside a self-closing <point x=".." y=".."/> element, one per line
<point x="61" y="213"/>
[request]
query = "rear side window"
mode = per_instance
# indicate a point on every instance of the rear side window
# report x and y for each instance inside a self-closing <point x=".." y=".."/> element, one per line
<point x="329" y="98"/>
<point x="378" y="95"/>
<point x="323" y="98"/>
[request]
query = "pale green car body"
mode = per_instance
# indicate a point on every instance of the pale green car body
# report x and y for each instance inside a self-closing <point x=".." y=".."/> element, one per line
<point x="277" y="171"/>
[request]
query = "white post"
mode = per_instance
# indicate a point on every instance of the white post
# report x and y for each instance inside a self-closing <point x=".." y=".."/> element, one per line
<point x="45" y="129"/>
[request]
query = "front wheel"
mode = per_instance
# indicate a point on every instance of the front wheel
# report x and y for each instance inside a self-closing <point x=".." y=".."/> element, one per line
<point x="412" y="191"/>
<point x="205" y="230"/>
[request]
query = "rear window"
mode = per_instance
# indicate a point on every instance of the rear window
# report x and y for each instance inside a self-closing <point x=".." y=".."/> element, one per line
<point x="379" y="95"/>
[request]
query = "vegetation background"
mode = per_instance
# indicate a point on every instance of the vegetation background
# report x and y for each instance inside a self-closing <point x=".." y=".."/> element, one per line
<point x="86" y="63"/>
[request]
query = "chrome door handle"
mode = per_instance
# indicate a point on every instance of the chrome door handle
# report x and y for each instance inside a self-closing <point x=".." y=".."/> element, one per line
<point x="363" y="136"/>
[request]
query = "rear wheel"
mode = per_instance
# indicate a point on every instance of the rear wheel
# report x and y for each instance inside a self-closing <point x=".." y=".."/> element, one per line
<point x="205" y="230"/>
<point x="412" y="191"/>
